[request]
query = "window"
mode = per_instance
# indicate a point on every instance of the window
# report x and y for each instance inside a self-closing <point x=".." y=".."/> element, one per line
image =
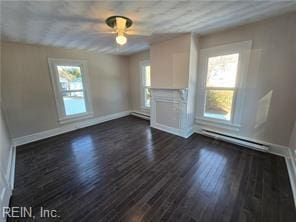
<point x="71" y="89"/>
<point x="145" y="85"/>
<point x="220" y="89"/>
<point x="220" y="86"/>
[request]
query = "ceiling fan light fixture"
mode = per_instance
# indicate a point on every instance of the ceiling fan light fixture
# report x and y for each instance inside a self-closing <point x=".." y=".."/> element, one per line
<point x="121" y="39"/>
<point x="119" y="24"/>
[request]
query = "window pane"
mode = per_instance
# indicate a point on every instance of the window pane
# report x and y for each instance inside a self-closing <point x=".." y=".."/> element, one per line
<point x="222" y="71"/>
<point x="219" y="104"/>
<point x="70" y="77"/>
<point x="74" y="103"/>
<point x="147" y="76"/>
<point x="147" y="97"/>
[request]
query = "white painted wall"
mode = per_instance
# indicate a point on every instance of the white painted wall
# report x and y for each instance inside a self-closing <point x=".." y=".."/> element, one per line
<point x="271" y="69"/>
<point x="5" y="146"/>
<point x="170" y="63"/>
<point x="192" y="79"/>
<point x="293" y="140"/>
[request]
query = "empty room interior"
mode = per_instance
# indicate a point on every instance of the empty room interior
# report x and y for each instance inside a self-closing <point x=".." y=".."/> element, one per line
<point x="148" y="111"/>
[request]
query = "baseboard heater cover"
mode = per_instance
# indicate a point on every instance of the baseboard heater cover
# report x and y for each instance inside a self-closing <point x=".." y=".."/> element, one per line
<point x="236" y="140"/>
<point x="141" y="115"/>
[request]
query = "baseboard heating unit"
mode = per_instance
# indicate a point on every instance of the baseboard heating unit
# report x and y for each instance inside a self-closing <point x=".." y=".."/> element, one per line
<point x="141" y="115"/>
<point x="236" y="140"/>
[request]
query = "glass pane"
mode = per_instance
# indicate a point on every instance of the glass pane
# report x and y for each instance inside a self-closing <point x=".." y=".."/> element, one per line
<point x="147" y="76"/>
<point x="222" y="71"/>
<point x="147" y="97"/>
<point x="70" y="77"/>
<point x="74" y="103"/>
<point x="219" y="104"/>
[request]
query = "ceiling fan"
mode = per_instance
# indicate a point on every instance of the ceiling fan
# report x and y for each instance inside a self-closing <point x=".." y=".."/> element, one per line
<point x="120" y="24"/>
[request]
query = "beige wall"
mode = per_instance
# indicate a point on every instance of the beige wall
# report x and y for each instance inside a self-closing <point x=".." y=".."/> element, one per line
<point x="5" y="145"/>
<point x="135" y="79"/>
<point x="293" y="139"/>
<point x="192" y="78"/>
<point x="27" y="91"/>
<point x="272" y="69"/>
<point x="5" y="156"/>
<point x="170" y="63"/>
<point x="5" y="142"/>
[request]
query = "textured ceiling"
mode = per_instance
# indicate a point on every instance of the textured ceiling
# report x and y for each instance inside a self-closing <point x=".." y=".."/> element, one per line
<point x="74" y="24"/>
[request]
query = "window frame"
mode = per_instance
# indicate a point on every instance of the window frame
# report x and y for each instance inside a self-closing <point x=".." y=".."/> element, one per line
<point x="143" y="87"/>
<point x="62" y="117"/>
<point x="243" y="49"/>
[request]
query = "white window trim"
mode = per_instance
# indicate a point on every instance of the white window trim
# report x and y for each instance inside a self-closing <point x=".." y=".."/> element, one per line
<point x="143" y="63"/>
<point x="62" y="118"/>
<point x="244" y="50"/>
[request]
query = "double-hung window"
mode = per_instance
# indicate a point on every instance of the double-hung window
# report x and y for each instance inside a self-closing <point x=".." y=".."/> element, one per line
<point x="220" y="89"/>
<point x="221" y="86"/>
<point x="145" y="84"/>
<point x="71" y="88"/>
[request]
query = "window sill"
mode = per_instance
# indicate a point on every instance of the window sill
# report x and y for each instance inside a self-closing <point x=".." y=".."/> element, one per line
<point x="75" y="118"/>
<point x="220" y="124"/>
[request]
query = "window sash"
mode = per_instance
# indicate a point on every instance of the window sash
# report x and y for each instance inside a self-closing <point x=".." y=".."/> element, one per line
<point x="143" y="86"/>
<point x="63" y="91"/>
<point x="59" y="91"/>
<point x="244" y="51"/>
<point x="233" y="102"/>
<point x="75" y="90"/>
<point x="71" y="65"/>
<point x="208" y="88"/>
<point x="221" y="88"/>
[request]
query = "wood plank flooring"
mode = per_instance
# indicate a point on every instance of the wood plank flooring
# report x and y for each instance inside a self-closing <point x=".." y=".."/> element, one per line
<point x="123" y="170"/>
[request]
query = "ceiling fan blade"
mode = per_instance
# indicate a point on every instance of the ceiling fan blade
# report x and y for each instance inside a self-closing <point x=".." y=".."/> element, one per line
<point x="102" y="32"/>
<point x="67" y="18"/>
<point x="138" y="33"/>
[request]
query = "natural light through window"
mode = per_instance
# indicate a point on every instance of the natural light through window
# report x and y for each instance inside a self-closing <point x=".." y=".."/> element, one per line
<point x="146" y="84"/>
<point x="70" y="79"/>
<point x="221" y="86"/>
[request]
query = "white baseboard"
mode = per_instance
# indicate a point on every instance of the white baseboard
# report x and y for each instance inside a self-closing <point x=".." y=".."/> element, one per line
<point x="7" y="180"/>
<point x="67" y="128"/>
<point x="188" y="133"/>
<point x="140" y="115"/>
<point x="11" y="167"/>
<point x="291" y="165"/>
<point x="279" y="150"/>
<point x="5" y="194"/>
<point x="172" y="130"/>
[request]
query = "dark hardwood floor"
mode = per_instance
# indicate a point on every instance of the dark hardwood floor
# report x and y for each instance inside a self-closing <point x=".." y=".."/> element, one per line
<point x="123" y="170"/>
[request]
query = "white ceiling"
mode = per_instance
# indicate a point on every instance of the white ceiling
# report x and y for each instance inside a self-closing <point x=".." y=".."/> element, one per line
<point x="75" y="24"/>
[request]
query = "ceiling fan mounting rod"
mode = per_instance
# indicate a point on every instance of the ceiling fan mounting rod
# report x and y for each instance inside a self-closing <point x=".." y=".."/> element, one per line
<point x="111" y="21"/>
